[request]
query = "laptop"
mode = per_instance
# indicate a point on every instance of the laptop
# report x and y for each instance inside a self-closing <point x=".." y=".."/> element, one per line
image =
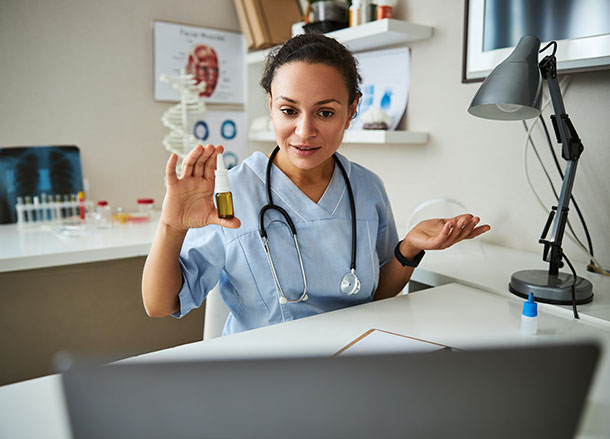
<point x="526" y="392"/>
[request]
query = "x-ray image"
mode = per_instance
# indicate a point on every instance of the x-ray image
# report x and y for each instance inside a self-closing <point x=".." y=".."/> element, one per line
<point x="507" y="20"/>
<point x="36" y="170"/>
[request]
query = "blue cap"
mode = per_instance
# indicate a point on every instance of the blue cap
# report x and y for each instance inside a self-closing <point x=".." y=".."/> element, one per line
<point x="530" y="308"/>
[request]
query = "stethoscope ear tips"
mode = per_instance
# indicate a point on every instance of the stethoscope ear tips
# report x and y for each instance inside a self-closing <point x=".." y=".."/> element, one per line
<point x="283" y="300"/>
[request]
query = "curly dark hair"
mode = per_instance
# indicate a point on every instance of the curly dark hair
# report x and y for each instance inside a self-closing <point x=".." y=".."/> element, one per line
<point x="315" y="48"/>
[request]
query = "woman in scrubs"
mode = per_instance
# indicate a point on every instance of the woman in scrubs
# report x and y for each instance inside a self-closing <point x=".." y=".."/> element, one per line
<point x="312" y="85"/>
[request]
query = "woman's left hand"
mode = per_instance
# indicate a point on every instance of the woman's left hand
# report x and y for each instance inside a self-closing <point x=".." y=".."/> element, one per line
<point x="441" y="233"/>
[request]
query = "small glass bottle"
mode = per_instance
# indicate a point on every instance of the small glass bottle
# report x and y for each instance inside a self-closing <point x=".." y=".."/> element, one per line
<point x="121" y="216"/>
<point x="529" y="316"/>
<point x="103" y="214"/>
<point x="224" y="199"/>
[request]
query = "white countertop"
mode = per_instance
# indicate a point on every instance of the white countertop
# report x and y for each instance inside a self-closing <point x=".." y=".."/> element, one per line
<point x="475" y="263"/>
<point x="47" y="247"/>
<point x="454" y="315"/>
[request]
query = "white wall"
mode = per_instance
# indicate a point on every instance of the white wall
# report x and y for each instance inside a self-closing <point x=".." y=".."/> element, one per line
<point x="480" y="162"/>
<point x="80" y="72"/>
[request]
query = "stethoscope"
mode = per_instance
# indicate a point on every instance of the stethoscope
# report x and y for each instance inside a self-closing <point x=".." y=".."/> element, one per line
<point x="350" y="284"/>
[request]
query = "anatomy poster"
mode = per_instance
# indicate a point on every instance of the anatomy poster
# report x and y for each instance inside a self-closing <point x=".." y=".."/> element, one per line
<point x="212" y="56"/>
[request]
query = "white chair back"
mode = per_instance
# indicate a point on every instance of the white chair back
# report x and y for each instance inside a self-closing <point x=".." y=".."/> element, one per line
<point x="216" y="314"/>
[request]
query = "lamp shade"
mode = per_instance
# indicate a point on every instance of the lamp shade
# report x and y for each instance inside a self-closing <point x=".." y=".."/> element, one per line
<point x="513" y="89"/>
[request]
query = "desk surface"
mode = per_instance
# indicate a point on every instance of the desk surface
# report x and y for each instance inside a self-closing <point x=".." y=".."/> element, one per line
<point x="489" y="267"/>
<point x="45" y="247"/>
<point x="454" y="315"/>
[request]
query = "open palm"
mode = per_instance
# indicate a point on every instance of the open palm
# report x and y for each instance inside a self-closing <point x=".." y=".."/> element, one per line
<point x="441" y="233"/>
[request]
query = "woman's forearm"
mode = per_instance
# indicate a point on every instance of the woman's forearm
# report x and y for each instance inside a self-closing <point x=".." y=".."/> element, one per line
<point x="393" y="276"/>
<point x="392" y="279"/>
<point x="162" y="276"/>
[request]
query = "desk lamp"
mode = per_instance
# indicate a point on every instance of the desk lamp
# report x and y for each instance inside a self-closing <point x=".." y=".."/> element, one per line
<point x="513" y="91"/>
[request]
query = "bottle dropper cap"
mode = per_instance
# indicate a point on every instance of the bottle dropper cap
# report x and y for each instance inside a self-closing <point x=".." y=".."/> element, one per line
<point x="222" y="180"/>
<point x="530" y="308"/>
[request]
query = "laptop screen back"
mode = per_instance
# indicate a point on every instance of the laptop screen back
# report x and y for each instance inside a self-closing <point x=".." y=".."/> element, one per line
<point x="535" y="392"/>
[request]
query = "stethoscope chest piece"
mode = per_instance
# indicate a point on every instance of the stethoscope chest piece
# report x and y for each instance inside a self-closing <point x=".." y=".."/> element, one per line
<point x="350" y="284"/>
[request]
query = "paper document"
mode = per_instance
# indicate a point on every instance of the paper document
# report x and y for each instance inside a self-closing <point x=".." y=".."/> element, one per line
<point x="376" y="341"/>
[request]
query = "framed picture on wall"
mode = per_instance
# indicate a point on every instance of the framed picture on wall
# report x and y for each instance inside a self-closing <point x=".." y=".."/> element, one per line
<point x="213" y="56"/>
<point x="492" y="28"/>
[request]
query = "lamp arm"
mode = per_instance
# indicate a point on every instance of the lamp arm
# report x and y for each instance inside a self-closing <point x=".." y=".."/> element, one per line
<point x="571" y="149"/>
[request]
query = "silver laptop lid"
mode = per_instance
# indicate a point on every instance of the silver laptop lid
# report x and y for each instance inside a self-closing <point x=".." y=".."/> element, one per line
<point x="534" y="392"/>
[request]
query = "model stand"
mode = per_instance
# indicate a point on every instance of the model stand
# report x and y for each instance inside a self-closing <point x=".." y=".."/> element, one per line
<point x="180" y="140"/>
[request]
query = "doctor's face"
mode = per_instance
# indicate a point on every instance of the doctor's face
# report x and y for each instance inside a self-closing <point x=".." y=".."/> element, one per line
<point x="310" y="111"/>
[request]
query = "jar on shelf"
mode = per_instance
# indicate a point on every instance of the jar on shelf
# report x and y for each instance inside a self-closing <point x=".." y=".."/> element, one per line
<point x="384" y="9"/>
<point x="368" y="11"/>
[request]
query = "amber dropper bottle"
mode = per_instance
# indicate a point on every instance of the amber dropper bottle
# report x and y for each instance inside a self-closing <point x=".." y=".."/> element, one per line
<point x="224" y="199"/>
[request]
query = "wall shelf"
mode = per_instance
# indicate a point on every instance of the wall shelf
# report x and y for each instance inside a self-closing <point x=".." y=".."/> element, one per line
<point x="368" y="36"/>
<point x="362" y="136"/>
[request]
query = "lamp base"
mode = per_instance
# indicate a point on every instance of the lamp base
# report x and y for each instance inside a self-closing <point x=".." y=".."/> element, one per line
<point x="555" y="289"/>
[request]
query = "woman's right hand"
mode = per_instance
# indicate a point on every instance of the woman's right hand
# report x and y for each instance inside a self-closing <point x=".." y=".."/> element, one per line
<point x="189" y="200"/>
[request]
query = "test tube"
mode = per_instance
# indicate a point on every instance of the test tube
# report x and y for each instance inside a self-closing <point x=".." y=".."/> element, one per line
<point x="20" y="218"/>
<point x="46" y="212"/>
<point x="51" y="208"/>
<point x="60" y="211"/>
<point x="37" y="209"/>
<point x="29" y="214"/>
<point x="65" y="212"/>
<point x="81" y="205"/>
<point x="74" y="209"/>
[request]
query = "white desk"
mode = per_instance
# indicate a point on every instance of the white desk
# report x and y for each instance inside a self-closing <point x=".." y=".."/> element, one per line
<point x="40" y="248"/>
<point x="484" y="266"/>
<point x="58" y="292"/>
<point x="455" y="315"/>
<point x="489" y="267"/>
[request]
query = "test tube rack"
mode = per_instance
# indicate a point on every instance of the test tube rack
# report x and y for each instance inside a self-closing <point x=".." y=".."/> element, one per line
<point x="50" y="213"/>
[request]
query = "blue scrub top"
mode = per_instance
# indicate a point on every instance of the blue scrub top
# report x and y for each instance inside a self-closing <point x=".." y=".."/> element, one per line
<point x="237" y="257"/>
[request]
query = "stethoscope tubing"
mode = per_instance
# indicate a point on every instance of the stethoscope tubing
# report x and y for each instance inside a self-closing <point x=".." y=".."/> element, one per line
<point x="263" y="232"/>
<point x="283" y="297"/>
<point x="352" y="206"/>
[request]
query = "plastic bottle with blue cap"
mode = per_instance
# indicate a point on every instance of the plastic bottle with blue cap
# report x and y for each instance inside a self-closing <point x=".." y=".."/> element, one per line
<point x="529" y="316"/>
